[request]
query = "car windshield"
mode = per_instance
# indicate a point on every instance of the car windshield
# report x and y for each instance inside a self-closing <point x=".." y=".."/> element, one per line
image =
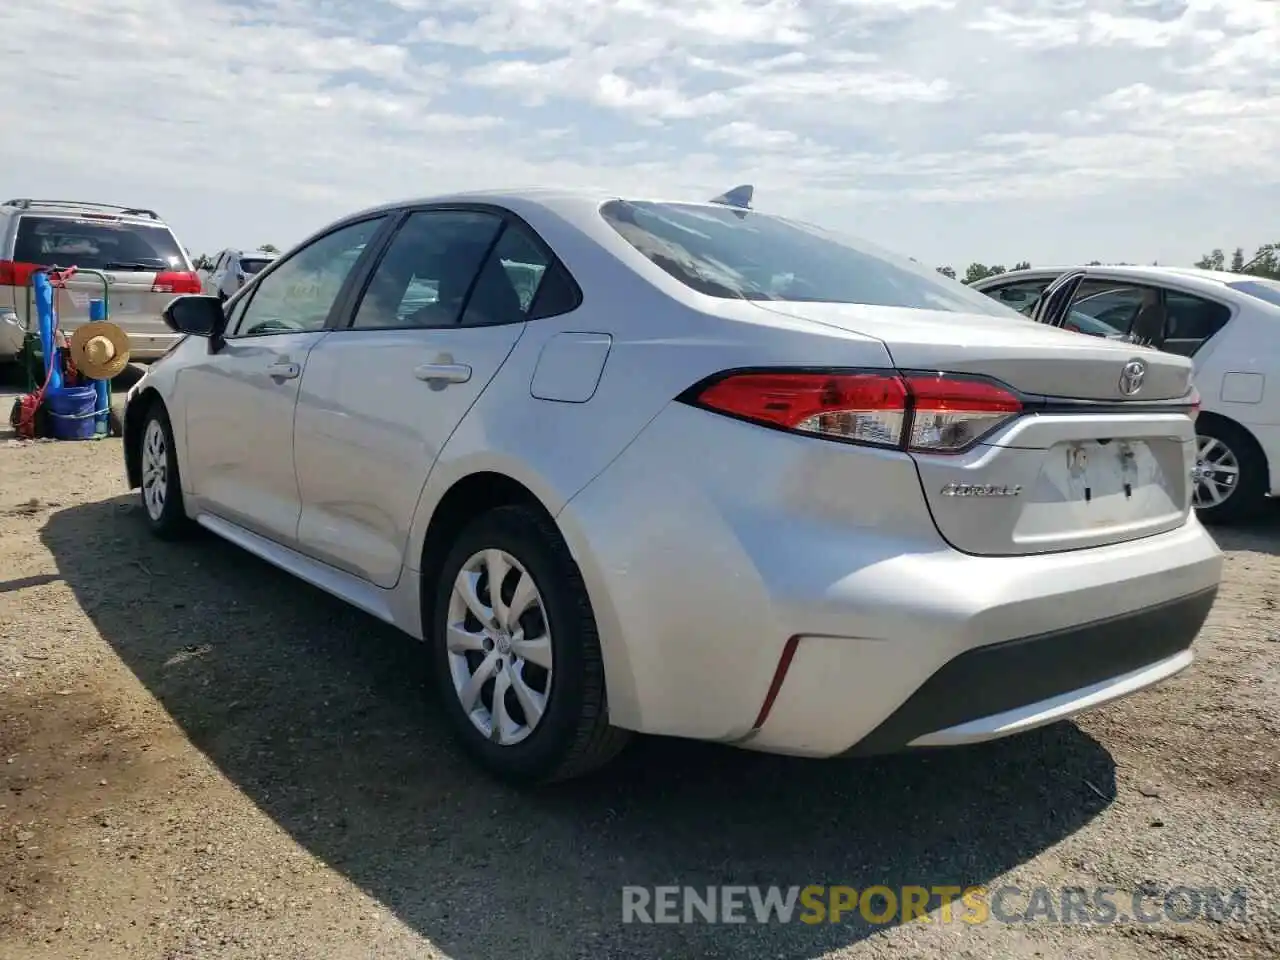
<point x="96" y="244"/>
<point x="739" y="254"/>
<point x="1268" y="290"/>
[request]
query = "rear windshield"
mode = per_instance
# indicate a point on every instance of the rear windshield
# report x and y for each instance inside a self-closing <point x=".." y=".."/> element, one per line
<point x="1268" y="290"/>
<point x="96" y="245"/>
<point x="252" y="265"/>
<point x="738" y="254"/>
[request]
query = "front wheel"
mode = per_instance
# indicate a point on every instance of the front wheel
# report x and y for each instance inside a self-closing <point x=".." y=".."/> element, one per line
<point x="1229" y="479"/>
<point x="161" y="484"/>
<point x="516" y="652"/>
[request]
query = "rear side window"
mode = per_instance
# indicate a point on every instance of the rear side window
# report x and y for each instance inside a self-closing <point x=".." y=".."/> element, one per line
<point x="96" y="244"/>
<point x="1190" y="321"/>
<point x="738" y="254"/>
<point x="252" y="265"/>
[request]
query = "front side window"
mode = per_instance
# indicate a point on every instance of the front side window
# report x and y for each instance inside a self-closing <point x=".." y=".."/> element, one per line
<point x="738" y="254"/>
<point x="298" y="295"/>
<point x="1020" y="296"/>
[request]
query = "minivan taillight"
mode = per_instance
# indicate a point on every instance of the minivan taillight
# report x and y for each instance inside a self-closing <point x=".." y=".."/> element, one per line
<point x="176" y="282"/>
<point x="15" y="273"/>
<point x="925" y="413"/>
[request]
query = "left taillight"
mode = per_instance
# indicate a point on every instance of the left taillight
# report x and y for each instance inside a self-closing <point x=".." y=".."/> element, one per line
<point x="14" y="273"/>
<point x="924" y="413"/>
<point x="176" y="282"/>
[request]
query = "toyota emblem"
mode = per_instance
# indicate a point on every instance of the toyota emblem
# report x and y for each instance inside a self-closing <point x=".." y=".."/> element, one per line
<point x="1131" y="377"/>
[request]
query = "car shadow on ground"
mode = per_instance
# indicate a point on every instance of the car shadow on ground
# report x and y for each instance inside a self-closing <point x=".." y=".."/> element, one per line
<point x="320" y="715"/>
<point x="1260" y="535"/>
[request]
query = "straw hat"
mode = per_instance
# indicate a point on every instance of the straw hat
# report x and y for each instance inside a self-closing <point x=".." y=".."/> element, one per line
<point x="100" y="350"/>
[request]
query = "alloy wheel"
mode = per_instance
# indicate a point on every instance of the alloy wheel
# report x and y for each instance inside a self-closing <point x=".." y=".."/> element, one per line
<point x="155" y="469"/>
<point x="499" y="647"/>
<point x="1215" y="474"/>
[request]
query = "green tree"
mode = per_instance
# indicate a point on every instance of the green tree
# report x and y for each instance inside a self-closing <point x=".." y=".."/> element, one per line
<point x="947" y="272"/>
<point x="1022" y="265"/>
<point x="1215" y="260"/>
<point x="1237" y="260"/>
<point x="269" y="248"/>
<point x="980" y="271"/>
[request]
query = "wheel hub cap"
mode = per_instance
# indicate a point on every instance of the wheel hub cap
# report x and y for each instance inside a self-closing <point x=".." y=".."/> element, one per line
<point x="499" y="647"/>
<point x="1215" y="474"/>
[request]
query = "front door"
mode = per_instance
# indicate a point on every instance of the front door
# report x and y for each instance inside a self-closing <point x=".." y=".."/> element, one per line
<point x="442" y="312"/>
<point x="240" y="400"/>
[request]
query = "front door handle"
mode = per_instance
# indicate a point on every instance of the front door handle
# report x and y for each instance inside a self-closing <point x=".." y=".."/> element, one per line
<point x="284" y="370"/>
<point x="443" y="372"/>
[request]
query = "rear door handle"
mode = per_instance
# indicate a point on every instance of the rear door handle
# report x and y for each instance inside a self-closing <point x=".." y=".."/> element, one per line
<point x="284" y="370"/>
<point x="443" y="372"/>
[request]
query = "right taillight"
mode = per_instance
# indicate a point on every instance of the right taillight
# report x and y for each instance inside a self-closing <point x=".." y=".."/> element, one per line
<point x="920" y="412"/>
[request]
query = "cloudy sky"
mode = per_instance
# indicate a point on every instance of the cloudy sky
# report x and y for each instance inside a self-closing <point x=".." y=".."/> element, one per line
<point x="994" y="130"/>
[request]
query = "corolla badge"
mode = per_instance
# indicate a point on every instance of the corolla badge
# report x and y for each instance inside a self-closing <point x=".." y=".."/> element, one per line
<point x="980" y="490"/>
<point x="1131" y="377"/>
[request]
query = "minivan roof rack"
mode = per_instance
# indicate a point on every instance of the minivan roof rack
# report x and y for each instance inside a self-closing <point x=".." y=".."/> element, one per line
<point x="26" y="203"/>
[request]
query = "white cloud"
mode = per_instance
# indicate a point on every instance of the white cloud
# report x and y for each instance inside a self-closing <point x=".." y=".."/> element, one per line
<point x="944" y="127"/>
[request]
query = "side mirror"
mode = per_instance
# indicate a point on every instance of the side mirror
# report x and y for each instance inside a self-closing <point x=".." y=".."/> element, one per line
<point x="195" y="315"/>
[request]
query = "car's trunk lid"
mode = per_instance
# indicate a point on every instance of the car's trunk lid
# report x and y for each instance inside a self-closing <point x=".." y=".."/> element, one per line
<point x="1087" y="464"/>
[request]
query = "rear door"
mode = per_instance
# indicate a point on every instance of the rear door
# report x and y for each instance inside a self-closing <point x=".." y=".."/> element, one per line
<point x="143" y="265"/>
<point x="435" y="322"/>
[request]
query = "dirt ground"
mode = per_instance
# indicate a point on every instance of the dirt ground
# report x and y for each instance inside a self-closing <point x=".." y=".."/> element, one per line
<point x="203" y="758"/>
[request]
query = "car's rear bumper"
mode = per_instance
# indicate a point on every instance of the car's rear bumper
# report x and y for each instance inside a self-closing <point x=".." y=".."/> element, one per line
<point x="707" y="571"/>
<point x="1014" y="685"/>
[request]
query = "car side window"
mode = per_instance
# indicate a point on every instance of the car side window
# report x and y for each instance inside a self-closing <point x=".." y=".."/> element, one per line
<point x="1190" y="321"/>
<point x="1116" y="310"/>
<point x="424" y="277"/>
<point x="297" y="296"/>
<point x="1020" y="296"/>
<point x="511" y="281"/>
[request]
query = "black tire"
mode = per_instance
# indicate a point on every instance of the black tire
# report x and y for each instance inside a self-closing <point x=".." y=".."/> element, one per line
<point x="170" y="521"/>
<point x="573" y="736"/>
<point x="1249" y="497"/>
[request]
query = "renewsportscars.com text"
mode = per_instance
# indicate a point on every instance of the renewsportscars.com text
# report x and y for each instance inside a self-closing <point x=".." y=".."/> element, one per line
<point x="815" y="904"/>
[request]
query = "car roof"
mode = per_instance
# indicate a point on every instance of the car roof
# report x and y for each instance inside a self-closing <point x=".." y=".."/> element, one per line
<point x="1133" y="271"/>
<point x="80" y="209"/>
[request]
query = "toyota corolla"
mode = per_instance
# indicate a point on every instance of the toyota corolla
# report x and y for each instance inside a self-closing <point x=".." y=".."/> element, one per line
<point x="688" y="469"/>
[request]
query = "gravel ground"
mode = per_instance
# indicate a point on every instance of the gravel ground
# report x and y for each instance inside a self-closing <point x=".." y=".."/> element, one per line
<point x="203" y="758"/>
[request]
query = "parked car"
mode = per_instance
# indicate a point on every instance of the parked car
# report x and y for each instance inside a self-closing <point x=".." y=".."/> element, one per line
<point x="1228" y="323"/>
<point x="721" y="476"/>
<point x="145" y="267"/>
<point x="232" y="270"/>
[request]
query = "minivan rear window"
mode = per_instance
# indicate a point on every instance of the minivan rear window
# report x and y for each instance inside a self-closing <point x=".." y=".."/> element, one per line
<point x="737" y="254"/>
<point x="252" y="265"/>
<point x="96" y="245"/>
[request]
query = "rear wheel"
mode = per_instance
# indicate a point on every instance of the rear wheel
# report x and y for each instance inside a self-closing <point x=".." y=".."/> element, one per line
<point x="1229" y="479"/>
<point x="517" y="655"/>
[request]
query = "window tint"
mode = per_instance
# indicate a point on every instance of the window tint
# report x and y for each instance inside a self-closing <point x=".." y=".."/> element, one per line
<point x="427" y="270"/>
<point x="1268" y="290"/>
<point x="509" y="282"/>
<point x="1190" y="321"/>
<point x="731" y="253"/>
<point x="1104" y="308"/>
<point x="556" y="294"/>
<point x="96" y="244"/>
<point x="298" y="295"/>
<point x="252" y="265"/>
<point x="1020" y="296"/>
